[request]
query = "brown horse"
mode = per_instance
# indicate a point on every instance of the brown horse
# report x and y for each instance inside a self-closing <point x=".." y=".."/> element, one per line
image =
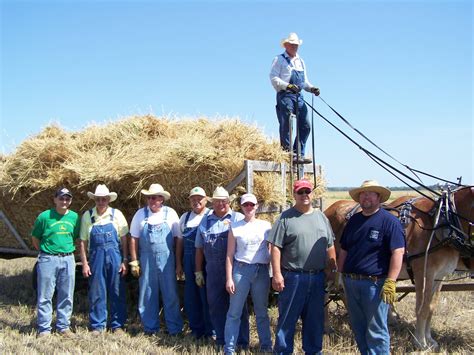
<point x="431" y="235"/>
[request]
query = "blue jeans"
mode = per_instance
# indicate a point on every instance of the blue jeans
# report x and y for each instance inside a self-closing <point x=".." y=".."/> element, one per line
<point x="218" y="299"/>
<point x="55" y="273"/>
<point x="368" y="315"/>
<point x="253" y="278"/>
<point x="303" y="296"/>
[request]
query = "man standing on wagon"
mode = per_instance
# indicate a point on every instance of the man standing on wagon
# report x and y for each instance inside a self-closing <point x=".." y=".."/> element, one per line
<point x="371" y="257"/>
<point x="288" y="77"/>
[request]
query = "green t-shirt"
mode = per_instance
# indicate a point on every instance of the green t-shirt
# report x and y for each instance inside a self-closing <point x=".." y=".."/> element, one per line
<point x="303" y="239"/>
<point x="56" y="232"/>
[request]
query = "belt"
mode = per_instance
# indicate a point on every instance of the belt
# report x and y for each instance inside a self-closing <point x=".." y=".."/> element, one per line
<point x="364" y="277"/>
<point x="57" y="254"/>
<point x="305" y="271"/>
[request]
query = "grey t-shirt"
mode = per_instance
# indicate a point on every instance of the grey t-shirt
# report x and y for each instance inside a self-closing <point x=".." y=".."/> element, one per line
<point x="303" y="239"/>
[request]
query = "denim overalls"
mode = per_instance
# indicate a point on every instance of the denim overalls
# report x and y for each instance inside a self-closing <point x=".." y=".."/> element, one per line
<point x="105" y="282"/>
<point x="158" y="276"/>
<point x="195" y="300"/>
<point x="215" y="251"/>
<point x="286" y="106"/>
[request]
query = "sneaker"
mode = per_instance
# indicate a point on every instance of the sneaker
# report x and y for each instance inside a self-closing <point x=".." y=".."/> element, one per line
<point x="43" y="334"/>
<point x="67" y="334"/>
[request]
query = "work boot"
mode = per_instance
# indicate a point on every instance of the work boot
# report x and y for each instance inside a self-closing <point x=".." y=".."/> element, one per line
<point x="301" y="160"/>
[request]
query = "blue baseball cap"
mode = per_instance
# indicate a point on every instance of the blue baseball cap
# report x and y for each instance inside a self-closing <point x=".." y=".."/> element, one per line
<point x="63" y="192"/>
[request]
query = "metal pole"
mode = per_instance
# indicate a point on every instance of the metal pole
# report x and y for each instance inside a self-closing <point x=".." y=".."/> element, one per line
<point x="297" y="141"/>
<point x="312" y="142"/>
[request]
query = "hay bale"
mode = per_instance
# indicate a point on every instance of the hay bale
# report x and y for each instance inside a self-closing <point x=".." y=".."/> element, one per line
<point x="129" y="155"/>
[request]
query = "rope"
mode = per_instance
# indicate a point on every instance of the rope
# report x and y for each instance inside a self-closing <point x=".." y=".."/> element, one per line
<point x="378" y="160"/>
<point x="412" y="170"/>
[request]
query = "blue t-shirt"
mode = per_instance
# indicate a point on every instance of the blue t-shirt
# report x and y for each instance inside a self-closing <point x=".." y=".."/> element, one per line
<point x="369" y="241"/>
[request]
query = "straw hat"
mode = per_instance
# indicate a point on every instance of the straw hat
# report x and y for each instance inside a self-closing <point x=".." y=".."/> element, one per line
<point x="292" y="38"/>
<point x="220" y="194"/>
<point x="156" y="189"/>
<point x="373" y="186"/>
<point x="197" y="191"/>
<point x="102" y="191"/>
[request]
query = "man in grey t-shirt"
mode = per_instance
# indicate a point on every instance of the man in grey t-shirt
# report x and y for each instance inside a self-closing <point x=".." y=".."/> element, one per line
<point x="302" y="248"/>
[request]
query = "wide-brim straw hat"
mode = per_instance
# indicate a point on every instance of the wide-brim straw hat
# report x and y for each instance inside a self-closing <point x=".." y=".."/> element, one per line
<point x="156" y="189"/>
<point x="293" y="39"/>
<point x="220" y="194"/>
<point x="373" y="186"/>
<point x="102" y="191"/>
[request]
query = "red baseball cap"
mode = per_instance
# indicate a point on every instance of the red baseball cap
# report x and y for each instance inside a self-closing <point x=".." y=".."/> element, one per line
<point x="302" y="184"/>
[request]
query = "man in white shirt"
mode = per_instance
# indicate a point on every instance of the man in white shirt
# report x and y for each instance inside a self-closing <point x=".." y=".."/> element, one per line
<point x="288" y="77"/>
<point x="195" y="299"/>
<point x="153" y="230"/>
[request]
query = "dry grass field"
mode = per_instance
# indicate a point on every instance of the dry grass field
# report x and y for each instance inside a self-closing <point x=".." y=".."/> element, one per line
<point x="452" y="325"/>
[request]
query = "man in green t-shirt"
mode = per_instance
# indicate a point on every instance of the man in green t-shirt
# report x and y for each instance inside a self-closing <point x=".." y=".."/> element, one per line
<point x="54" y="233"/>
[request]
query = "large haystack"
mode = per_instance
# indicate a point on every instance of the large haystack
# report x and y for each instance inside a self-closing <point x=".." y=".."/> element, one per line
<point x="129" y="155"/>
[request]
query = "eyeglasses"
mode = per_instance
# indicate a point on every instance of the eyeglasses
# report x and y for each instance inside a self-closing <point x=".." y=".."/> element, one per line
<point x="303" y="192"/>
<point x="64" y="198"/>
<point x="248" y="204"/>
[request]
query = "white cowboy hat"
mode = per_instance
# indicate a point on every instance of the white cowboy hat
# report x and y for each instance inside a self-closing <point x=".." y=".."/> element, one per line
<point x="197" y="191"/>
<point x="220" y="194"/>
<point x="102" y="191"/>
<point x="156" y="189"/>
<point x="373" y="186"/>
<point x="293" y="39"/>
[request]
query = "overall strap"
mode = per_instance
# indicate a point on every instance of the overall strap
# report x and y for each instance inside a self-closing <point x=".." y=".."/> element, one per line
<point x="186" y="219"/>
<point x="92" y="217"/>
<point x="112" y="215"/>
<point x="146" y="214"/>
<point x="287" y="60"/>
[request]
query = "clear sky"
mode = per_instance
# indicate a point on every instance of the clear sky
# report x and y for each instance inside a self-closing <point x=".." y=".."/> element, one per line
<point x="400" y="71"/>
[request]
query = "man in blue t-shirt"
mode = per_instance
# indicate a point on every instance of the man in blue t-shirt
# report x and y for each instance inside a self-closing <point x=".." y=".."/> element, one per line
<point x="371" y="257"/>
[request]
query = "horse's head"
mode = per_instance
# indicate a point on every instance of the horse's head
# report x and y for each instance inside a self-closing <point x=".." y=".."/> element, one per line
<point x="463" y="198"/>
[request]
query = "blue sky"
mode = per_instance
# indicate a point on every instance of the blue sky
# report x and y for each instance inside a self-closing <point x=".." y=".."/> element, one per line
<point x="400" y="71"/>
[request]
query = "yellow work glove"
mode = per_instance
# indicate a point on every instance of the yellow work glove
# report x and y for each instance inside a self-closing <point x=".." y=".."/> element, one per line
<point x="135" y="268"/>
<point x="388" y="292"/>
<point x="199" y="278"/>
<point x="293" y="88"/>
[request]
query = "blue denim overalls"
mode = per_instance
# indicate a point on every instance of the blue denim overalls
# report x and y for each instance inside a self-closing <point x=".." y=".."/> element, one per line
<point x="158" y="276"/>
<point x="286" y="106"/>
<point x="215" y="251"/>
<point x="105" y="282"/>
<point x="195" y="299"/>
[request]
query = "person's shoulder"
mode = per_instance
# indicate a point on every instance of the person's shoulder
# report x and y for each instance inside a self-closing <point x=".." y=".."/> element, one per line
<point x="237" y="215"/>
<point x="72" y="214"/>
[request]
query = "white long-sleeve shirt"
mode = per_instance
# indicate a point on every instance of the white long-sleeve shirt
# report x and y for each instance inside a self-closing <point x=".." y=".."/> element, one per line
<point x="280" y="73"/>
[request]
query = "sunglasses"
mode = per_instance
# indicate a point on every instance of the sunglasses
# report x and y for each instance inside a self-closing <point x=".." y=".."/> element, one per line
<point x="303" y="192"/>
<point x="248" y="204"/>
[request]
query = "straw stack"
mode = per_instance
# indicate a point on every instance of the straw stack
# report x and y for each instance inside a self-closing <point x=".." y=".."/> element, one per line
<point x="129" y="155"/>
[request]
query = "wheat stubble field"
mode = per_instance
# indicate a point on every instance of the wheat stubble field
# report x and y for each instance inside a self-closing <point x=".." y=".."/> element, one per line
<point x="452" y="322"/>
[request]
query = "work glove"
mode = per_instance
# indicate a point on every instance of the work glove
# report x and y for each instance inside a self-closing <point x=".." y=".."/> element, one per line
<point x="293" y="88"/>
<point x="388" y="292"/>
<point x="334" y="283"/>
<point x="199" y="278"/>
<point x="135" y="268"/>
<point x="315" y="90"/>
